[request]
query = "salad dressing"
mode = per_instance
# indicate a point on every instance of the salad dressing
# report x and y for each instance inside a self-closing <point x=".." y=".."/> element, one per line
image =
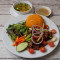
<point x="42" y="11"/>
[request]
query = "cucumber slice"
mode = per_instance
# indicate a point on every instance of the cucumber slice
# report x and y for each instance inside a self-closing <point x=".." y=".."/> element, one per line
<point x="21" y="46"/>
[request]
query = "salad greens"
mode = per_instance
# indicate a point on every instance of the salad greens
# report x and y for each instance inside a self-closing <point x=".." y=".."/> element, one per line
<point x="15" y="30"/>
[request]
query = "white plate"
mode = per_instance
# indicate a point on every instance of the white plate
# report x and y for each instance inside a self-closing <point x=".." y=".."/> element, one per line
<point x="8" y="42"/>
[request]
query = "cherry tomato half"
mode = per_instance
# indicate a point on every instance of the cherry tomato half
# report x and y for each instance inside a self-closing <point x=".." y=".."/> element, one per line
<point x="53" y="31"/>
<point x="46" y="27"/>
<point x="38" y="27"/>
<point x="35" y="37"/>
<point x="31" y="50"/>
<point x="43" y="49"/>
<point x="51" y="44"/>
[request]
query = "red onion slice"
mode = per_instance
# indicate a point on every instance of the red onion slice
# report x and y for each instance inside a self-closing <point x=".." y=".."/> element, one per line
<point x="34" y="32"/>
<point x="35" y="42"/>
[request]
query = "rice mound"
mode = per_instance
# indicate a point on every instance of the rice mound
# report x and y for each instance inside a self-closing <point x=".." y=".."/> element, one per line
<point x="34" y="19"/>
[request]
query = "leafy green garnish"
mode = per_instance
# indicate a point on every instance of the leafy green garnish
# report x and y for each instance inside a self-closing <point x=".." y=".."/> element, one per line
<point x="15" y="30"/>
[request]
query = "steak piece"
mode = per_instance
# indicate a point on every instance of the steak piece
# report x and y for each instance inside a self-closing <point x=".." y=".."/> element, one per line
<point x="30" y="44"/>
<point x="29" y="31"/>
<point x="50" y="34"/>
<point x="46" y="34"/>
<point x="35" y="47"/>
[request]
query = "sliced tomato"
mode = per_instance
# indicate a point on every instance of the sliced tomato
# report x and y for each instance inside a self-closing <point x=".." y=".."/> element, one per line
<point x="31" y="50"/>
<point x="35" y="37"/>
<point x="43" y="49"/>
<point x="46" y="27"/>
<point x="53" y="31"/>
<point x="38" y="27"/>
<point x="51" y="44"/>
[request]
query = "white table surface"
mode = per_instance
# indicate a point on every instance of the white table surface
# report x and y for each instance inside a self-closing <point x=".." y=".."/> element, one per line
<point x="5" y="17"/>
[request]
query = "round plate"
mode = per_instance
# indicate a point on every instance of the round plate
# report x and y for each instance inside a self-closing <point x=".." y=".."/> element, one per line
<point x="8" y="42"/>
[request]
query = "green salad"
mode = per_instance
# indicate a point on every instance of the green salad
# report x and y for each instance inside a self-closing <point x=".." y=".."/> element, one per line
<point x="15" y="30"/>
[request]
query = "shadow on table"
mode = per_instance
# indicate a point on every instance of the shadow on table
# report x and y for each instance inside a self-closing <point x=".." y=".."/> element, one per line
<point x="52" y="14"/>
